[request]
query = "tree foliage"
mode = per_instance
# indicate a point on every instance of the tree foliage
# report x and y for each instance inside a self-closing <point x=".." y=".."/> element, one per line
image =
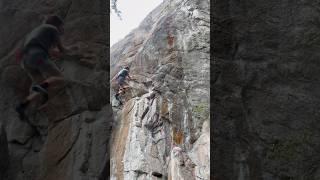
<point x="115" y="8"/>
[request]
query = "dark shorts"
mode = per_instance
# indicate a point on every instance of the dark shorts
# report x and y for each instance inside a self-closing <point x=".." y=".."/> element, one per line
<point x="37" y="64"/>
<point x="121" y="80"/>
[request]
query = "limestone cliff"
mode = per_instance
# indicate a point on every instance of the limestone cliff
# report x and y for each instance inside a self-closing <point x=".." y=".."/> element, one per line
<point x="163" y="133"/>
<point x="66" y="140"/>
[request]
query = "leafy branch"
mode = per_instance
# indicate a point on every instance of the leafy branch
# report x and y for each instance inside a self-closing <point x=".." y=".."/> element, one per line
<point x="115" y="8"/>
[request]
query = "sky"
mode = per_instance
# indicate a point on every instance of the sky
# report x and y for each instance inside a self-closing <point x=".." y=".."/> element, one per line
<point x="133" y="12"/>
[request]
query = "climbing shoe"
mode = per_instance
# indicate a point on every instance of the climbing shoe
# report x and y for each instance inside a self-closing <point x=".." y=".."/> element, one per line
<point x="43" y="91"/>
<point x="39" y="88"/>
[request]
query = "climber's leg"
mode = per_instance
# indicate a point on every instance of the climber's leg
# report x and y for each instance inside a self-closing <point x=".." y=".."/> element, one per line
<point x="23" y="105"/>
<point x="48" y="69"/>
<point x="118" y="96"/>
<point x="55" y="77"/>
<point x="54" y="81"/>
<point x="121" y="82"/>
<point x="36" y="63"/>
<point x="36" y="78"/>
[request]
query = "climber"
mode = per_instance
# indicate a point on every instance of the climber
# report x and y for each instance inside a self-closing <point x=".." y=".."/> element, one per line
<point x="40" y="44"/>
<point x="121" y="77"/>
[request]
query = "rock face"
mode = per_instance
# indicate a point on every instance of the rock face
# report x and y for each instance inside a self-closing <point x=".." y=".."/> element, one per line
<point x="162" y="131"/>
<point x="266" y="90"/>
<point x="68" y="139"/>
<point x="4" y="154"/>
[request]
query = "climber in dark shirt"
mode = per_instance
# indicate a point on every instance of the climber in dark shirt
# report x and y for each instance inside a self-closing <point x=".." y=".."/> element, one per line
<point x="121" y="77"/>
<point x="39" y="45"/>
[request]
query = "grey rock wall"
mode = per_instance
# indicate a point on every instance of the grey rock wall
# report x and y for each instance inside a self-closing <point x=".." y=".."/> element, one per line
<point x="266" y="90"/>
<point x="167" y="136"/>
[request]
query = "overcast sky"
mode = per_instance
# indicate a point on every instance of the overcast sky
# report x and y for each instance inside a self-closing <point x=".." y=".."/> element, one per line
<point x="133" y="12"/>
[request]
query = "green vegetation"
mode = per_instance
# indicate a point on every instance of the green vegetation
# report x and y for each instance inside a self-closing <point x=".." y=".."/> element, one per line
<point x="115" y="8"/>
<point x="201" y="110"/>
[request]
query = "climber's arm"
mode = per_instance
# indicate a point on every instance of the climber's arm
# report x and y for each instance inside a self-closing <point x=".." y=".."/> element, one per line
<point x="113" y="77"/>
<point x="116" y="76"/>
<point x="54" y="52"/>
<point x="61" y="48"/>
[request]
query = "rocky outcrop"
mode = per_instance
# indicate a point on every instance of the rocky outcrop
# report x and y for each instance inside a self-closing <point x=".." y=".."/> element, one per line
<point x="67" y="139"/>
<point x="4" y="154"/>
<point x="266" y="90"/>
<point x="162" y="131"/>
